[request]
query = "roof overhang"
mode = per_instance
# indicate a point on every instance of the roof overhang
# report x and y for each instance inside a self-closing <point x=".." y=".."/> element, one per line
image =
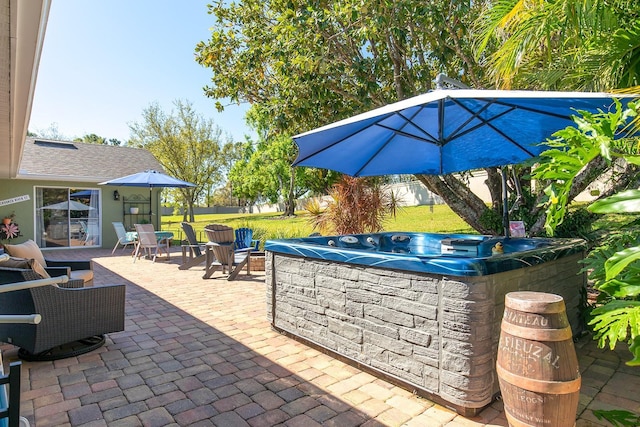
<point x="65" y="178"/>
<point x="22" y="29"/>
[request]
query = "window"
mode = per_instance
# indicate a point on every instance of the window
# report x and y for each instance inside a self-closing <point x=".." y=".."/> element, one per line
<point x="67" y="217"/>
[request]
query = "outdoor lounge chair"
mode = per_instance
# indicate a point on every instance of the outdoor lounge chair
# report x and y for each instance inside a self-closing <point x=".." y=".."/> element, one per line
<point x="244" y="240"/>
<point x="221" y="247"/>
<point x="73" y="320"/>
<point x="73" y="269"/>
<point x="148" y="243"/>
<point x="195" y="249"/>
<point x="20" y="269"/>
<point x="123" y="238"/>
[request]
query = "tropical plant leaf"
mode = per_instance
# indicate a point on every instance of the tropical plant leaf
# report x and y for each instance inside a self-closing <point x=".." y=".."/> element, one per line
<point x="621" y="288"/>
<point x="618" y="261"/>
<point x="633" y="159"/>
<point x="634" y="348"/>
<point x="625" y="201"/>
<point x="614" y="322"/>
<point x="617" y="418"/>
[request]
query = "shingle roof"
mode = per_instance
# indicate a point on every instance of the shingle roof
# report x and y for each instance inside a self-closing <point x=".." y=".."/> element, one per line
<point x="80" y="161"/>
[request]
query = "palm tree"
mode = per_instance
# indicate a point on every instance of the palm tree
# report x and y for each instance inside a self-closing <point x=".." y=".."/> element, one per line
<point x="563" y="45"/>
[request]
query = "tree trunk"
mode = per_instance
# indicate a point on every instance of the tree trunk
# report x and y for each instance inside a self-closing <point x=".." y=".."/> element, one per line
<point x="290" y="201"/>
<point x="192" y="217"/>
<point x="460" y="199"/>
<point x="494" y="184"/>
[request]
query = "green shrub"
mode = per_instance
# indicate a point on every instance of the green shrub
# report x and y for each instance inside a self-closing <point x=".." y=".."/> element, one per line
<point x="358" y="205"/>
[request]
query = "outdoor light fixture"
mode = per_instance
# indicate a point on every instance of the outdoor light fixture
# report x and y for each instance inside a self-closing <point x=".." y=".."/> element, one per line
<point x="116" y="195"/>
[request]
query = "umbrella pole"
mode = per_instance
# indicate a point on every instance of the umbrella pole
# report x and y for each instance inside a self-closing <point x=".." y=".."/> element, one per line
<point x="151" y="206"/>
<point x="505" y="202"/>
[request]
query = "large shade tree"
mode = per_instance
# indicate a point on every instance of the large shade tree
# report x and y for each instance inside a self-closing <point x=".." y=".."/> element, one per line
<point x="186" y="144"/>
<point x="92" y="138"/>
<point x="265" y="171"/>
<point x="311" y="63"/>
<point x="305" y="64"/>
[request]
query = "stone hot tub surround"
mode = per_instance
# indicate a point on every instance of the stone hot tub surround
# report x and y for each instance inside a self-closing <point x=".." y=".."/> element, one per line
<point x="434" y="333"/>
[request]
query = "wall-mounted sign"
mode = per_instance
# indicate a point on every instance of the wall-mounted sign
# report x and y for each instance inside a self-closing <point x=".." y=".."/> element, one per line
<point x="14" y="200"/>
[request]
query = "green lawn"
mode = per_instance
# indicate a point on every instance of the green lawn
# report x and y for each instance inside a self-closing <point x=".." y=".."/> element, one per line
<point x="435" y="219"/>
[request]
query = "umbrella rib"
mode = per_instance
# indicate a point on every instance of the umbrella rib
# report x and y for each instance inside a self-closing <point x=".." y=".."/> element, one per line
<point x="395" y="132"/>
<point x="409" y="120"/>
<point x="384" y="144"/>
<point x="474" y="114"/>
<point x="533" y="110"/>
<point x="488" y="123"/>
<point x="408" y="135"/>
<point x="324" y="148"/>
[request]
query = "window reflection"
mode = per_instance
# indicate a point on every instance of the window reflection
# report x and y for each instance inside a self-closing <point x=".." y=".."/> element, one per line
<point x="67" y="217"/>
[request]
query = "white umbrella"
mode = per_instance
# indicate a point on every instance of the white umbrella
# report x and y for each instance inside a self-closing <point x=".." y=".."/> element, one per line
<point x="69" y="205"/>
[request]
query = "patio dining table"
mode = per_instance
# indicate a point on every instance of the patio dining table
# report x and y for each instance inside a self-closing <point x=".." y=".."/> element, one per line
<point x="160" y="235"/>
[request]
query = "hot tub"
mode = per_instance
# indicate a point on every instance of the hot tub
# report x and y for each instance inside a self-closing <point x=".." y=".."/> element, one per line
<point x="422" y="309"/>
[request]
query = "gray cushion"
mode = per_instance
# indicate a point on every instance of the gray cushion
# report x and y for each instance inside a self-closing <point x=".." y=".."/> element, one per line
<point x="85" y="275"/>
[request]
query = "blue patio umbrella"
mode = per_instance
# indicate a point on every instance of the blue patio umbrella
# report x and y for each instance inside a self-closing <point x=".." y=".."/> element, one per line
<point x="82" y="193"/>
<point x="150" y="179"/>
<point x="446" y="131"/>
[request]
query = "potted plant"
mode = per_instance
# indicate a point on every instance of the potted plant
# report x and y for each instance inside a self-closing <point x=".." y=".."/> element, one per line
<point x="8" y="229"/>
<point x="8" y="219"/>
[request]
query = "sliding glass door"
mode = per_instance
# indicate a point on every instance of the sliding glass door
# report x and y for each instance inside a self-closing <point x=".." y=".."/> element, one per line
<point x="67" y="217"/>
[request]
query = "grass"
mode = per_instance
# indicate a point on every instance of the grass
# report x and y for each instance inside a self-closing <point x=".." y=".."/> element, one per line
<point x="434" y="219"/>
<point x="429" y="219"/>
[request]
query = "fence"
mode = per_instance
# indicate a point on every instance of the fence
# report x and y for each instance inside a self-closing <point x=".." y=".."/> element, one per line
<point x="410" y="193"/>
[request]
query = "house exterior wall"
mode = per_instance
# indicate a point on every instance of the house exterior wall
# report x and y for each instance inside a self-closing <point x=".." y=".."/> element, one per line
<point x="24" y="210"/>
<point x="111" y="210"/>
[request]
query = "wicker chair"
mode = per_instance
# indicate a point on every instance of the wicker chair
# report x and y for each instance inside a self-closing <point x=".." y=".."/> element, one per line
<point x="74" y="318"/>
<point x="74" y="269"/>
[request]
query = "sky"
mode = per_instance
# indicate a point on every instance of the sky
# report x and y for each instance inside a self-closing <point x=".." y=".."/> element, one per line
<point x="104" y="62"/>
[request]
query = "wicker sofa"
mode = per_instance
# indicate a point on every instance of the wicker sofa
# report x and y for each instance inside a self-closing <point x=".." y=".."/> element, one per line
<point x="74" y="318"/>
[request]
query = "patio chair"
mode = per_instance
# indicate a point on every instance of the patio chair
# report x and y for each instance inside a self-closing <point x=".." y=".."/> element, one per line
<point x="72" y="320"/>
<point x="195" y="249"/>
<point x="124" y="239"/>
<point x="10" y="402"/>
<point x="221" y="246"/>
<point x="14" y="269"/>
<point x="148" y="243"/>
<point x="244" y="240"/>
<point x="73" y="269"/>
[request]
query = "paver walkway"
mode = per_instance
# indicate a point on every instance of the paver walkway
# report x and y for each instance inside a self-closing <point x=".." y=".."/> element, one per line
<point x="201" y="353"/>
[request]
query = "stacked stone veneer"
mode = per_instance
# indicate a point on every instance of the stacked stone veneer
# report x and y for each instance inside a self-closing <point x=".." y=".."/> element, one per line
<point x="436" y="334"/>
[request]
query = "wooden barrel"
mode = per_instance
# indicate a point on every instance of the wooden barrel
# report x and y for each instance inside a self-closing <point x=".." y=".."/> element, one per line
<point x="537" y="364"/>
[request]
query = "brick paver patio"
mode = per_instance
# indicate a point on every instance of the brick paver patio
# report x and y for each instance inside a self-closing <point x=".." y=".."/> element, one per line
<point x="201" y="353"/>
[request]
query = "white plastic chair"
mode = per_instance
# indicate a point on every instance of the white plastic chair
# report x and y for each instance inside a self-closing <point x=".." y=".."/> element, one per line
<point x="123" y="238"/>
<point x="148" y="242"/>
